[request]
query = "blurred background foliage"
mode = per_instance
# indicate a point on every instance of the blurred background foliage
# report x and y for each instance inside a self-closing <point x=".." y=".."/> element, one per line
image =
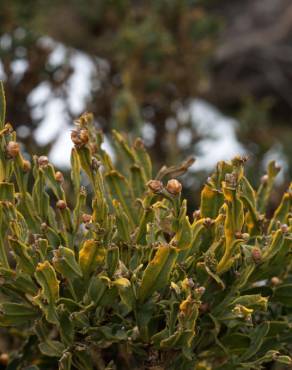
<point x="147" y="61"/>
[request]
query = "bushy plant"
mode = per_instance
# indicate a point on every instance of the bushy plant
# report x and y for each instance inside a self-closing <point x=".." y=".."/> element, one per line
<point x="118" y="273"/>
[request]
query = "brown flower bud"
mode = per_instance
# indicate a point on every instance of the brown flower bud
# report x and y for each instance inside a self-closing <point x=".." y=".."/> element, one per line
<point x="75" y="138"/>
<point x="12" y="149"/>
<point x="264" y="179"/>
<point x="44" y="227"/>
<point x="245" y="236"/>
<point x="26" y="166"/>
<point x="174" y="187"/>
<point x="43" y="161"/>
<point x="284" y="228"/>
<point x="155" y="186"/>
<point x="208" y="222"/>
<point x="256" y="255"/>
<point x="80" y="137"/>
<point x="201" y="290"/>
<point x="197" y="214"/>
<point x="4" y="359"/>
<point x="59" y="177"/>
<point x="83" y="134"/>
<point x="86" y="218"/>
<point x="61" y="204"/>
<point x="275" y="280"/>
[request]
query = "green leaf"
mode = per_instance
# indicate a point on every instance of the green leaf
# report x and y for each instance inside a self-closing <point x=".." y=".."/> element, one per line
<point x="283" y="295"/>
<point x="156" y="274"/>
<point x="16" y="314"/>
<point x="65" y="263"/>
<point x="91" y="255"/>
<point x="2" y="106"/>
<point x="126" y="292"/>
<point x="257" y="337"/>
<point x="52" y="348"/>
<point x="46" y="277"/>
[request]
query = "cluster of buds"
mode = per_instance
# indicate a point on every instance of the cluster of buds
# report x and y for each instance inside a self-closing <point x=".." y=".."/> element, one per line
<point x="80" y="137"/>
<point x="173" y="187"/>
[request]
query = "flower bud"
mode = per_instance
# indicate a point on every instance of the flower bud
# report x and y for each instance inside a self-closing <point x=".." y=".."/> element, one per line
<point x="43" y="161"/>
<point x="83" y="134"/>
<point x="174" y="187"/>
<point x="61" y="204"/>
<point x="197" y="214"/>
<point x="208" y="222"/>
<point x="44" y="227"/>
<point x="256" y="255"/>
<point x="12" y="149"/>
<point x="4" y="359"/>
<point x="155" y="186"/>
<point x="200" y="290"/>
<point x="275" y="280"/>
<point x="86" y="218"/>
<point x="59" y="177"/>
<point x="26" y="166"/>
<point x="284" y="228"/>
<point x="80" y="137"/>
<point x="75" y="138"/>
<point x="264" y="179"/>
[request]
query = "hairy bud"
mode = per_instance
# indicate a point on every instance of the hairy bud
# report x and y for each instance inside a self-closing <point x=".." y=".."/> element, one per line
<point x="79" y="137"/>
<point x="12" y="149"/>
<point x="256" y="255"/>
<point x="59" y="177"/>
<point x="275" y="280"/>
<point x="43" y="161"/>
<point x="61" y="204"/>
<point x="155" y="186"/>
<point x="26" y="166"/>
<point x="174" y="187"/>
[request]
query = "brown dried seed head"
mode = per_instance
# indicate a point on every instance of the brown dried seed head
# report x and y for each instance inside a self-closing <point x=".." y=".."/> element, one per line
<point x="86" y="218"/>
<point x="83" y="134"/>
<point x="12" y="149"/>
<point x="80" y="137"/>
<point x="26" y="166"/>
<point x="75" y="137"/>
<point x="43" y="161"/>
<point x="61" y="204"/>
<point x="59" y="177"/>
<point x="155" y="185"/>
<point x="174" y="187"/>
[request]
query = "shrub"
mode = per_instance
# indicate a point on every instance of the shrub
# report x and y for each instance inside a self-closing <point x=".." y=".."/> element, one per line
<point x="119" y="274"/>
